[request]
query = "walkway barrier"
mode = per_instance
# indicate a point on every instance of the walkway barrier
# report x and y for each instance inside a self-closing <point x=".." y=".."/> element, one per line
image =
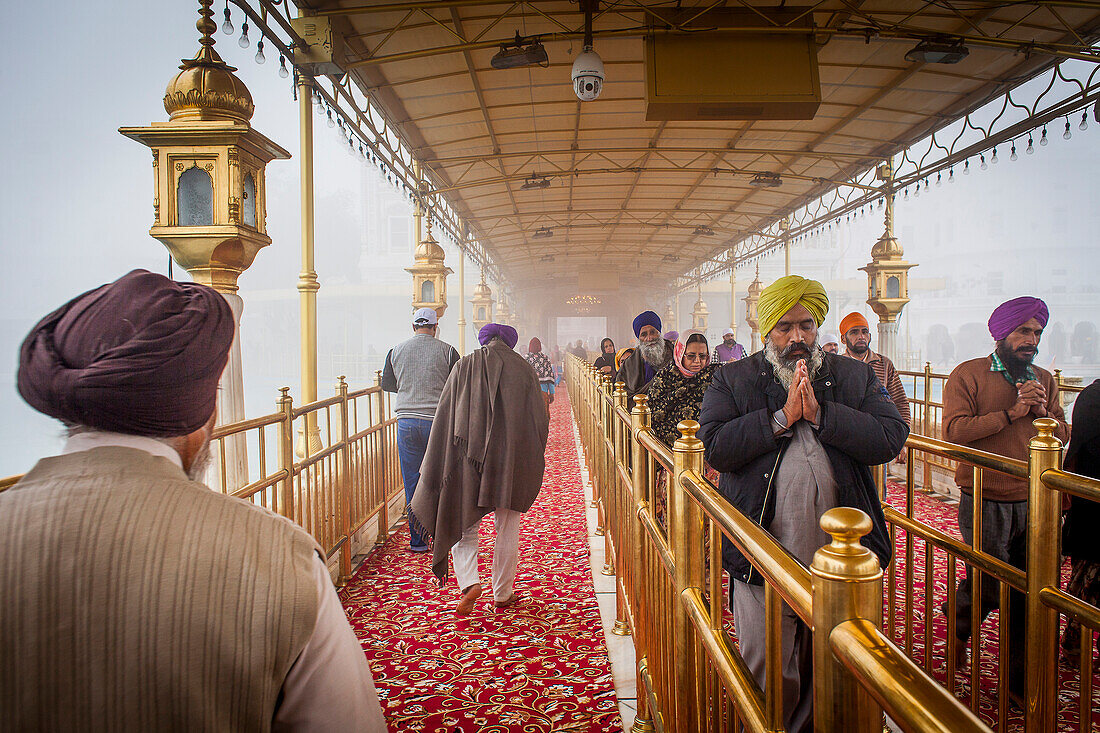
<point x="925" y="395"/>
<point x="671" y="594"/>
<point x="333" y="489"/>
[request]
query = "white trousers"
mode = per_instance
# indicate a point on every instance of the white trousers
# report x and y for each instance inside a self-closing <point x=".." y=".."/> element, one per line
<point x="505" y="555"/>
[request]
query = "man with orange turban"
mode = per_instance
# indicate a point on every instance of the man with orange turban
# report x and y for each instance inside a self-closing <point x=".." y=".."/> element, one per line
<point x="856" y="335"/>
<point x="793" y="431"/>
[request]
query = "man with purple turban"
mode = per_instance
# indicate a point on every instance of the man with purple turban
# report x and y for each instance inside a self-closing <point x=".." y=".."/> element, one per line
<point x="486" y="453"/>
<point x="794" y="431"/>
<point x="989" y="403"/>
<point x="653" y="353"/>
<point x="135" y="597"/>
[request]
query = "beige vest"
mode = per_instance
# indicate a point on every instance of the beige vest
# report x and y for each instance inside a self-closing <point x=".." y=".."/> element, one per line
<point x="133" y="599"/>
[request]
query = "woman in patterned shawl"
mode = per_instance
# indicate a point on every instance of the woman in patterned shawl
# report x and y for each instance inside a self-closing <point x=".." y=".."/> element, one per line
<point x="676" y="392"/>
<point x="544" y="370"/>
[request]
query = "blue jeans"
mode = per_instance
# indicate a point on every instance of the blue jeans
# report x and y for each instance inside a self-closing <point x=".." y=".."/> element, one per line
<point x="412" y="441"/>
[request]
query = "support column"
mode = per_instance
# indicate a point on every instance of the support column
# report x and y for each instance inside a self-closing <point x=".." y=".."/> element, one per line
<point x="733" y="297"/>
<point x="231" y="409"/>
<point x="461" y="302"/>
<point x="307" y="278"/>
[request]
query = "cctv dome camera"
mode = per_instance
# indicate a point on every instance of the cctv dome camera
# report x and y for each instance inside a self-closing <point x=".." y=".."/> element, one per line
<point x="588" y="75"/>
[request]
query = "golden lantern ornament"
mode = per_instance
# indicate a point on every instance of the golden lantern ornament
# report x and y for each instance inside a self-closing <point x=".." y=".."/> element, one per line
<point x="700" y="313"/>
<point x="887" y="274"/>
<point x="482" y="304"/>
<point x="208" y="168"/>
<point x="429" y="274"/>
<point x="752" y="317"/>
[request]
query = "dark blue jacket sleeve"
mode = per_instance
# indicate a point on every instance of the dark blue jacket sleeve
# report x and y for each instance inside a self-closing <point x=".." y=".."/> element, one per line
<point x="873" y="434"/>
<point x="730" y="439"/>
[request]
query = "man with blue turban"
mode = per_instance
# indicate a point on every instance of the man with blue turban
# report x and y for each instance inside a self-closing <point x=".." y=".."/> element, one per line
<point x="989" y="404"/>
<point x="485" y="454"/>
<point x="794" y="431"/>
<point x="653" y="352"/>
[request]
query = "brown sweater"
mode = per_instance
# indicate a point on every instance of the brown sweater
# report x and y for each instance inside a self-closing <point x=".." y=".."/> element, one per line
<point x="974" y="403"/>
<point x="137" y="600"/>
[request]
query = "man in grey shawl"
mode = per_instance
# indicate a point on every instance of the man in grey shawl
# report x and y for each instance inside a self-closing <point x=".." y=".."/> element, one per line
<point x="485" y="454"/>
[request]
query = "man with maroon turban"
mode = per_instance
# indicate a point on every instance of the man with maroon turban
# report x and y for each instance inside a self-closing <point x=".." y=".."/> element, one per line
<point x="135" y="597"/>
<point x="989" y="404"/>
<point x="486" y="453"/>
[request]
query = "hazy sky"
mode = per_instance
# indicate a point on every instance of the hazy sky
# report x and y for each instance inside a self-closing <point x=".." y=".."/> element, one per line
<point x="76" y="208"/>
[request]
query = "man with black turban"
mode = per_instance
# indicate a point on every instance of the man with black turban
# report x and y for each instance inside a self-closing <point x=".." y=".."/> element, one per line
<point x="652" y="354"/>
<point x="989" y="403"/>
<point x="486" y="453"/>
<point x="135" y="597"/>
<point x="794" y="431"/>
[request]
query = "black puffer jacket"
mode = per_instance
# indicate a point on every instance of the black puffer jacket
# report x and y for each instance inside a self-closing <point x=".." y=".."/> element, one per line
<point x="859" y="427"/>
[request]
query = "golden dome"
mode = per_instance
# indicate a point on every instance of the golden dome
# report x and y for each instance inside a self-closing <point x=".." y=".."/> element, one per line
<point x="429" y="251"/>
<point x="205" y="88"/>
<point x="482" y="291"/>
<point x="886" y="248"/>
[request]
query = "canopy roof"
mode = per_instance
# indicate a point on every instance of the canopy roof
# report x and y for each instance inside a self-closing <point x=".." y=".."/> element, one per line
<point x="653" y="199"/>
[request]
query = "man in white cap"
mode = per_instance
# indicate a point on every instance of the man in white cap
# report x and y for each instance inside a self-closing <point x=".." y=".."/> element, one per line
<point x="416" y="370"/>
<point x="830" y="343"/>
<point x="728" y="350"/>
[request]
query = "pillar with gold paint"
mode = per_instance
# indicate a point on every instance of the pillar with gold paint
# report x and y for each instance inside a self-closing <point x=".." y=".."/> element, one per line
<point x="482" y="303"/>
<point x="209" y="196"/>
<point x="700" y="313"/>
<point x="887" y="274"/>
<point x="751" y="317"/>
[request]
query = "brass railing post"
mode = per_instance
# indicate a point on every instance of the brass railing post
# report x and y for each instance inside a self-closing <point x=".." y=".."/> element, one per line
<point x="285" y="498"/>
<point x="1043" y="560"/>
<point x="685" y="531"/>
<point x="639" y="420"/>
<point x="620" y="521"/>
<point x="343" y="484"/>
<point x="601" y="396"/>
<point x="847" y="584"/>
<point x="382" y="445"/>
<point x="926" y="425"/>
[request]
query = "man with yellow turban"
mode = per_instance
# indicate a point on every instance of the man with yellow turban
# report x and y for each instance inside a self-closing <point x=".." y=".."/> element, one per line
<point x="794" y="431"/>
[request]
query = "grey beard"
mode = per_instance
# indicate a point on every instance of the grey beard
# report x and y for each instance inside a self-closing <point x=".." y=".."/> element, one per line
<point x="200" y="463"/>
<point x="784" y="368"/>
<point x="653" y="353"/>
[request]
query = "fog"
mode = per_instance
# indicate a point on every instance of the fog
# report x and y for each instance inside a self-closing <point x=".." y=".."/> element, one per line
<point x="76" y="208"/>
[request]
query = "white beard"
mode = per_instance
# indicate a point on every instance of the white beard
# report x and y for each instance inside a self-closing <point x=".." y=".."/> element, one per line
<point x="784" y="372"/>
<point x="200" y="463"/>
<point x="653" y="353"/>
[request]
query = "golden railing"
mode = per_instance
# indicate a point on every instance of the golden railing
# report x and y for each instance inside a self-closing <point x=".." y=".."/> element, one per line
<point x="690" y="670"/>
<point x="670" y="595"/>
<point x="924" y="390"/>
<point x="347" y="480"/>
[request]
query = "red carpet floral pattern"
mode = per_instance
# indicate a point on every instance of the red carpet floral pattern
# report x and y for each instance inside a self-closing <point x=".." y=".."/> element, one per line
<point x="540" y="665"/>
<point x="943" y="517"/>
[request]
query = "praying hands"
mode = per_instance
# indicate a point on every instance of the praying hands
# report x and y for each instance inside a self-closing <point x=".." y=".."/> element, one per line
<point x="801" y="401"/>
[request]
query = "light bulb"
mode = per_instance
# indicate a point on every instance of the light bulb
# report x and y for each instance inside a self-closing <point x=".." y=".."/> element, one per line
<point x="1013" y="156"/>
<point x="243" y="40"/>
<point x="1067" y="134"/>
<point x="1030" y="146"/>
<point x="950" y="175"/>
<point x="227" y="26"/>
<point x="906" y="197"/>
<point x="259" y="58"/>
<point x="916" y="191"/>
<point x="283" y="73"/>
<point x="983" y="165"/>
<point x="330" y="122"/>
<point x="1043" y="137"/>
<point x="993" y="160"/>
<point x="966" y="168"/>
<point x="1084" y="123"/>
<point x="317" y="98"/>
<point x="362" y="155"/>
<point x="939" y="180"/>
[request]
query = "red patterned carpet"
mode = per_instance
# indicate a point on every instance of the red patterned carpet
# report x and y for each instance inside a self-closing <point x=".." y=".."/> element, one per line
<point x="943" y="517"/>
<point x="539" y="666"/>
